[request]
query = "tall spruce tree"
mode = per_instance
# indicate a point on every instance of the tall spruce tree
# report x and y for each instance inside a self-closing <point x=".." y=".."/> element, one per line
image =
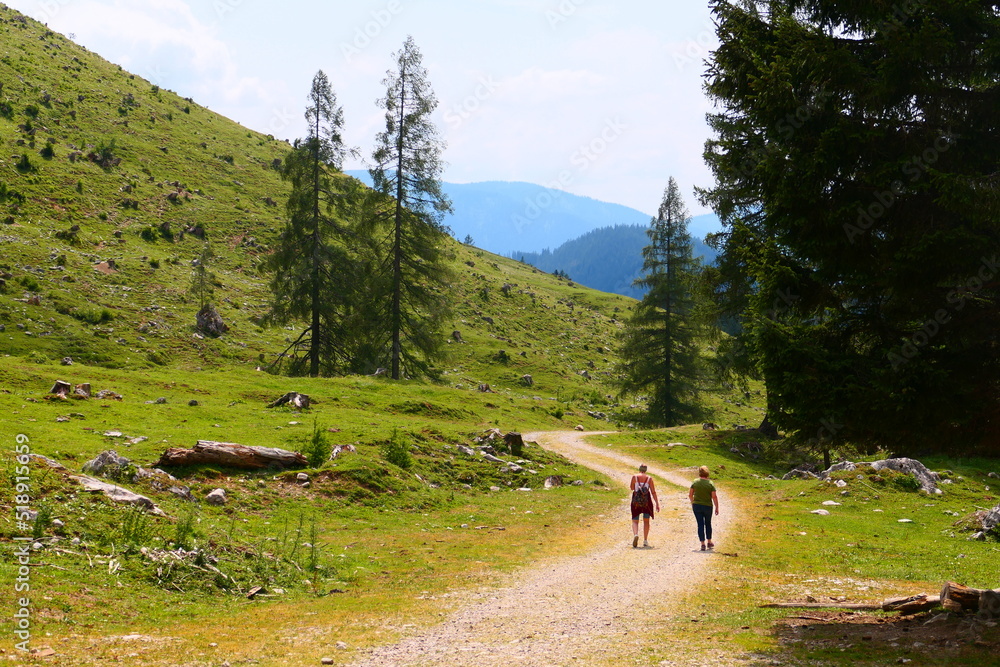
<point x="315" y="265"/>
<point x="856" y="152"/>
<point x="658" y="349"/>
<point x="407" y="173"/>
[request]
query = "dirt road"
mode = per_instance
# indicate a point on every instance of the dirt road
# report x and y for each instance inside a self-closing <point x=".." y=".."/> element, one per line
<point x="583" y="610"/>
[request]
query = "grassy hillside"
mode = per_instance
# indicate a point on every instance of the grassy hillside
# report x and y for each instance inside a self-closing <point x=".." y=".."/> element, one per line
<point x="108" y="188"/>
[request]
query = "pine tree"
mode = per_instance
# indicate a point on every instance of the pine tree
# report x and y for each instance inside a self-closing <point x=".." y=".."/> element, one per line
<point x="316" y="263"/>
<point x="855" y="158"/>
<point x="407" y="172"/>
<point x="658" y="347"/>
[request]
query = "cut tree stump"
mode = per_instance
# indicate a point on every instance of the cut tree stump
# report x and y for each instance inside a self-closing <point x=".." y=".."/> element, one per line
<point x="958" y="597"/>
<point x="514" y="443"/>
<point x="293" y="398"/>
<point x="232" y="455"/>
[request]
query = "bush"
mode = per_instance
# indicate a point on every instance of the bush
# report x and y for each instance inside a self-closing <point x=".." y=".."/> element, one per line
<point x="93" y="315"/>
<point x="397" y="452"/>
<point x="317" y="448"/>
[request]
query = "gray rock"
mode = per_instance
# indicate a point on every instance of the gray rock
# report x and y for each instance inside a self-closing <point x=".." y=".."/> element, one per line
<point x="182" y="492"/>
<point x="494" y="488"/>
<point x="108" y="458"/>
<point x="490" y="457"/>
<point x="118" y="494"/>
<point x="302" y="477"/>
<point x="67" y="361"/>
<point x="821" y="512"/>
<point x="578" y="482"/>
<point x="58" y="523"/>
<point x="465" y="450"/>
<point x="216" y="497"/>
<point x="513" y="467"/>
<point x="210" y="322"/>
<point x="553" y="481"/>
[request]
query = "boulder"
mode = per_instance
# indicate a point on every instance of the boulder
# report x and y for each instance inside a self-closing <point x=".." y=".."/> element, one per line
<point x="118" y="494"/>
<point x="216" y="497"/>
<point x="210" y="322"/>
<point x="553" y="481"/>
<point x="928" y="479"/>
<point x="98" y="464"/>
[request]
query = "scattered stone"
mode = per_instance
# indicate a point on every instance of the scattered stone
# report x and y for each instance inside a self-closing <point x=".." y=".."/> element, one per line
<point x="216" y="497"/>
<point x="830" y="503"/>
<point x="821" y="512"/>
<point x="58" y="523"/>
<point x="341" y="645"/>
<point x="494" y="488"/>
<point x="182" y="492"/>
<point x="62" y="418"/>
<point x="193" y="403"/>
<point x="578" y="427"/>
<point x="841" y="484"/>
<point x="578" y="482"/>
<point x="490" y="457"/>
<point x="928" y="479"/>
<point x="210" y="322"/>
<point x="993" y="475"/>
<point x="524" y="488"/>
<point x="326" y="661"/>
<point x="107" y="458"/>
<point x="527" y="381"/>
<point x="118" y="494"/>
<point x="107" y="394"/>
<point x="904" y="521"/>
<point x="67" y="361"/>
<point x="302" y="477"/>
<point x="136" y="440"/>
<point x="513" y="467"/>
<point x="465" y="450"/>
<point x="113" y="434"/>
<point x="47" y="461"/>
<point x="553" y="481"/>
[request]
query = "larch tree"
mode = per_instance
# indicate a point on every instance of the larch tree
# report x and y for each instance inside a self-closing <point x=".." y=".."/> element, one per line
<point x="314" y="264"/>
<point x="406" y="173"/>
<point x="658" y="347"/>
<point x="856" y="150"/>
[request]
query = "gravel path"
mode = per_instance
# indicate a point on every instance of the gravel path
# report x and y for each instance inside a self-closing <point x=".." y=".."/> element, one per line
<point x="581" y="610"/>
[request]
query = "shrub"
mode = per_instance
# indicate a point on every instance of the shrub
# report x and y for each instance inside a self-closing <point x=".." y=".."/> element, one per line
<point x="24" y="165"/>
<point x="93" y="315"/>
<point x="397" y="451"/>
<point x="317" y="448"/>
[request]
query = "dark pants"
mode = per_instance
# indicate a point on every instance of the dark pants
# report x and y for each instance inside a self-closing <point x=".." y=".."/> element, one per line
<point x="703" y="514"/>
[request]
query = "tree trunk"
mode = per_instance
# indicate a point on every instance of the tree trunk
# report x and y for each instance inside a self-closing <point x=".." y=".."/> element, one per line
<point x="232" y="455"/>
<point x="957" y="597"/>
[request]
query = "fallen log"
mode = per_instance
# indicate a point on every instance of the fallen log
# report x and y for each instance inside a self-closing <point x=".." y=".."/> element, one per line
<point x="858" y="606"/>
<point x="232" y="455"/>
<point x="958" y="597"/>
<point x="913" y="604"/>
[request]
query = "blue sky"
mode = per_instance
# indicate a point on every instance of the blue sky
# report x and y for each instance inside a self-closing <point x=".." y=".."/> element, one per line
<point x="599" y="98"/>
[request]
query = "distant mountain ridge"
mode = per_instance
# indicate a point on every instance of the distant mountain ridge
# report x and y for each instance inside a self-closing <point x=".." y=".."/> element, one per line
<point x="505" y="217"/>
<point x="607" y="259"/>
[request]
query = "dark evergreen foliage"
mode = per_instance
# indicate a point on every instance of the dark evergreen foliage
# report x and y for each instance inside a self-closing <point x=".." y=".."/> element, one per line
<point x="856" y="158"/>
<point x="658" y="347"/>
<point x="407" y="174"/>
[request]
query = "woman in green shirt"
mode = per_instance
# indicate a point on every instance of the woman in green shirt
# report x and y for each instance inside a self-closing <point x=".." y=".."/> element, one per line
<point x="702" y="496"/>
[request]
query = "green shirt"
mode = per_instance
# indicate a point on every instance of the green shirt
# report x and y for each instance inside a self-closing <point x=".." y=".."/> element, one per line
<point x="703" y="489"/>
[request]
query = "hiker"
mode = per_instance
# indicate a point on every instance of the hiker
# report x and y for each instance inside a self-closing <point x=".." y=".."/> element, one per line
<point x="702" y="496"/>
<point x="643" y="499"/>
